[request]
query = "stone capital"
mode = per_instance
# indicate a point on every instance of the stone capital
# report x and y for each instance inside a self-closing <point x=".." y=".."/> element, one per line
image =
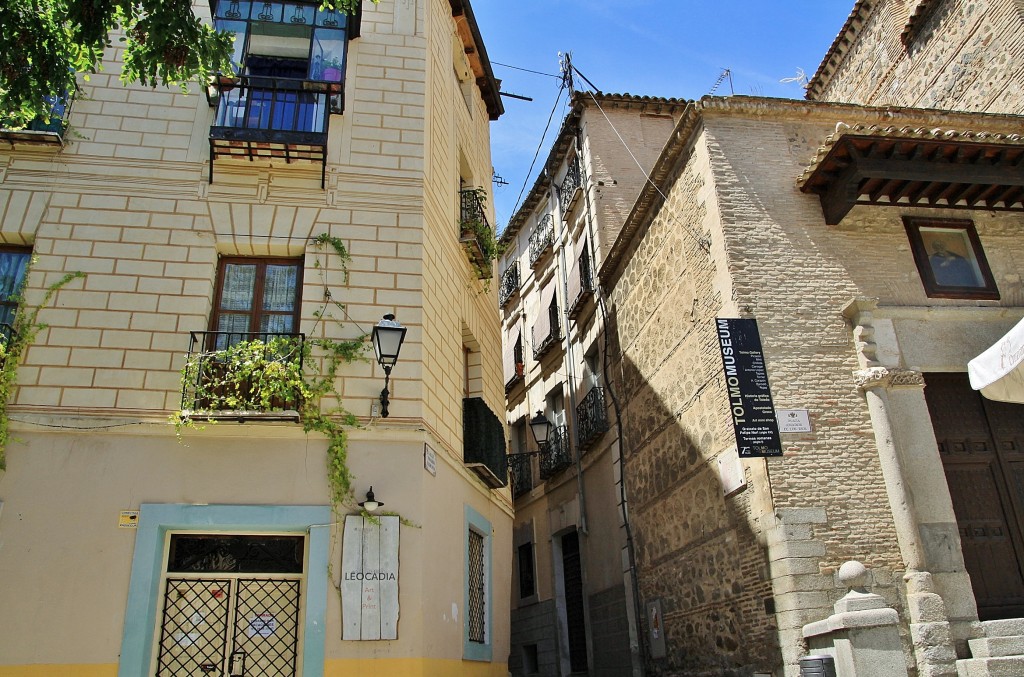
<point x="886" y="377"/>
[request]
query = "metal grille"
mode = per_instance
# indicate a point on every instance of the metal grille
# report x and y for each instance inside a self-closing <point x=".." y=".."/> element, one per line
<point x="477" y="602"/>
<point x="521" y="474"/>
<point x="267" y="626"/>
<point x="541" y="238"/>
<point x="591" y="418"/>
<point x="571" y="184"/>
<point x="556" y="456"/>
<point x="193" y="636"/>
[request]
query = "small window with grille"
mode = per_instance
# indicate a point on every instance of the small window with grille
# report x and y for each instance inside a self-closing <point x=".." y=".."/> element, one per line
<point x="477" y="602"/>
<point x="477" y="639"/>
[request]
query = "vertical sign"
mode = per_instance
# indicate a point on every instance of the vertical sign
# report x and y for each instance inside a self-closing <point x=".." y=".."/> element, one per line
<point x="746" y="379"/>
<point x="369" y="578"/>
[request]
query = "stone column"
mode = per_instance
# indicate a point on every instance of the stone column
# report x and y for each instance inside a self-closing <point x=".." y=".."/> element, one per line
<point x="938" y="587"/>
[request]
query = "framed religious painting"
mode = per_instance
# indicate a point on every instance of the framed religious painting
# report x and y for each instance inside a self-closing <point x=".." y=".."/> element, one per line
<point x="950" y="259"/>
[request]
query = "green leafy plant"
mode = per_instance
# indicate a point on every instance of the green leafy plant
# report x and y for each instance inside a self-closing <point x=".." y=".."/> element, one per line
<point x="476" y="234"/>
<point x="286" y="373"/>
<point x="13" y="345"/>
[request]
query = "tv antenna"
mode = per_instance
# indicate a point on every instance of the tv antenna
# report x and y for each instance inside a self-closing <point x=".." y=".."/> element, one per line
<point x="726" y="73"/>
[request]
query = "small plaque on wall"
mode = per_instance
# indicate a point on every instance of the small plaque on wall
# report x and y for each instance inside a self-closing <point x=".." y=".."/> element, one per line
<point x="793" y="421"/>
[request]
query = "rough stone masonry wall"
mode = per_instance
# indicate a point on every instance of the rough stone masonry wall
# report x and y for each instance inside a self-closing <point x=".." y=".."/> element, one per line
<point x="966" y="55"/>
<point x="696" y="550"/>
<point x="787" y="274"/>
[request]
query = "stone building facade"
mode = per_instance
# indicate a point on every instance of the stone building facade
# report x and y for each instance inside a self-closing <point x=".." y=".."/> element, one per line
<point x="949" y="54"/>
<point x="170" y="204"/>
<point x="749" y="554"/>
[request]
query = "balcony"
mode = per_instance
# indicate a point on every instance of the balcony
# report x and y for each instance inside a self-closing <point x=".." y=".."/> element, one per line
<point x="272" y="118"/>
<point x="520" y="474"/>
<point x="541" y="239"/>
<point x="509" y="284"/>
<point x="475" y="233"/>
<point x="556" y="456"/>
<point x="581" y="285"/>
<point x="44" y="131"/>
<point x="483" y="443"/>
<point x="547" y="334"/>
<point x="243" y="376"/>
<point x="570" y="188"/>
<point x="591" y="418"/>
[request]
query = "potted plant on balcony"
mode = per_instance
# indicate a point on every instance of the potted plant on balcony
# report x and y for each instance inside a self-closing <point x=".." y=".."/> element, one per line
<point x="332" y="68"/>
<point x="476" y="234"/>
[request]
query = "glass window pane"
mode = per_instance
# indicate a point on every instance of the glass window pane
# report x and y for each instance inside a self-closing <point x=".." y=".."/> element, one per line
<point x="267" y="11"/>
<point x="328" y="55"/>
<point x="12" y="271"/>
<point x="279" y="289"/>
<point x="331" y="18"/>
<point x="239" y="286"/>
<point x="238" y="28"/>
<point x="233" y="9"/>
<point x="276" y="324"/>
<point x="298" y="14"/>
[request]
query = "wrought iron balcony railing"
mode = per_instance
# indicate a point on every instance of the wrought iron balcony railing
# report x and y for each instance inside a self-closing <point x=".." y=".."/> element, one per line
<point x="272" y="104"/>
<point x="557" y="456"/>
<point x="475" y="233"/>
<point x="483" y="442"/>
<point x="570" y="187"/>
<point x="520" y="473"/>
<point x="243" y="375"/>
<point x="581" y="285"/>
<point x="509" y="284"/>
<point x="554" y="336"/>
<point x="591" y="418"/>
<point x="541" y="239"/>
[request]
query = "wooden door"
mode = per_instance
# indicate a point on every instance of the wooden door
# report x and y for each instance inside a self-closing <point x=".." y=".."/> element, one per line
<point x="980" y="442"/>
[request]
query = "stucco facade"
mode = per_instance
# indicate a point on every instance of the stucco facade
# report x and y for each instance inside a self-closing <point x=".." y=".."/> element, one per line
<point x="128" y="200"/>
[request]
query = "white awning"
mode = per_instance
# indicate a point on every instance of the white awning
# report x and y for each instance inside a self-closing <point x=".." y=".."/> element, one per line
<point x="999" y="371"/>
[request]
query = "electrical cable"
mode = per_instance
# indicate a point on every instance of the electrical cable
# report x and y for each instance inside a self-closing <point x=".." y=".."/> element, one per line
<point x="526" y="70"/>
<point x="701" y="241"/>
<point x="540" y="146"/>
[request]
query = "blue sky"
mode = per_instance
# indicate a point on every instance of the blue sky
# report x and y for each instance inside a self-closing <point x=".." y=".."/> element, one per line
<point x="670" y="48"/>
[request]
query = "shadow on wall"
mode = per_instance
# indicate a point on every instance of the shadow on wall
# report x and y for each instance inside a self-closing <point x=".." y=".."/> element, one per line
<point x="695" y="550"/>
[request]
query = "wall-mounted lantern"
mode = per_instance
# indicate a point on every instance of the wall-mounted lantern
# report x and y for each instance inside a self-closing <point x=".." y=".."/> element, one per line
<point x="388" y="336"/>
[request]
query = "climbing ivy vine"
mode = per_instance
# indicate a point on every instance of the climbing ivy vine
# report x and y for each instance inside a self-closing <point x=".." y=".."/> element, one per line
<point x="15" y="340"/>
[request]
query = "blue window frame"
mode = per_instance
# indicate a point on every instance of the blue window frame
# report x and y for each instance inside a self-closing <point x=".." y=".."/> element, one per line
<point x="479" y="607"/>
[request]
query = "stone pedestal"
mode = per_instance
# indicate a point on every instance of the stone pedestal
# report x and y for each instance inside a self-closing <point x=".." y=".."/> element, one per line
<point x="863" y="633"/>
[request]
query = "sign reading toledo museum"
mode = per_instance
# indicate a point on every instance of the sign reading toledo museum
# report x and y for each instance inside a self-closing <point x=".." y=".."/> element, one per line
<point x="746" y="379"/>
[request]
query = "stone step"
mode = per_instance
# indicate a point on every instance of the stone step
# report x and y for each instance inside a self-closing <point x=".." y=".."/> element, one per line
<point x="1004" y="628"/>
<point x="1007" y="666"/>
<point x="994" y="647"/>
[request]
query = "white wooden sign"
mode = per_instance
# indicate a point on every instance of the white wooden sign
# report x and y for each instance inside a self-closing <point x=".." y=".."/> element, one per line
<point x="369" y="578"/>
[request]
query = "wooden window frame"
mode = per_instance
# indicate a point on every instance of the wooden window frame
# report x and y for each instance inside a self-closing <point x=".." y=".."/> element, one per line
<point x="963" y="230"/>
<point x="256" y="312"/>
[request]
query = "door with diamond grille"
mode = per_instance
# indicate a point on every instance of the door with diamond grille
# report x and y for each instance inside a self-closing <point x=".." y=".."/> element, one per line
<point x="231" y="606"/>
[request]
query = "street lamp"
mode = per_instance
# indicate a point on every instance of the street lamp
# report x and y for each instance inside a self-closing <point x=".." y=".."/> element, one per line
<point x="388" y="335"/>
<point x="541" y="428"/>
<point x="370" y="504"/>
